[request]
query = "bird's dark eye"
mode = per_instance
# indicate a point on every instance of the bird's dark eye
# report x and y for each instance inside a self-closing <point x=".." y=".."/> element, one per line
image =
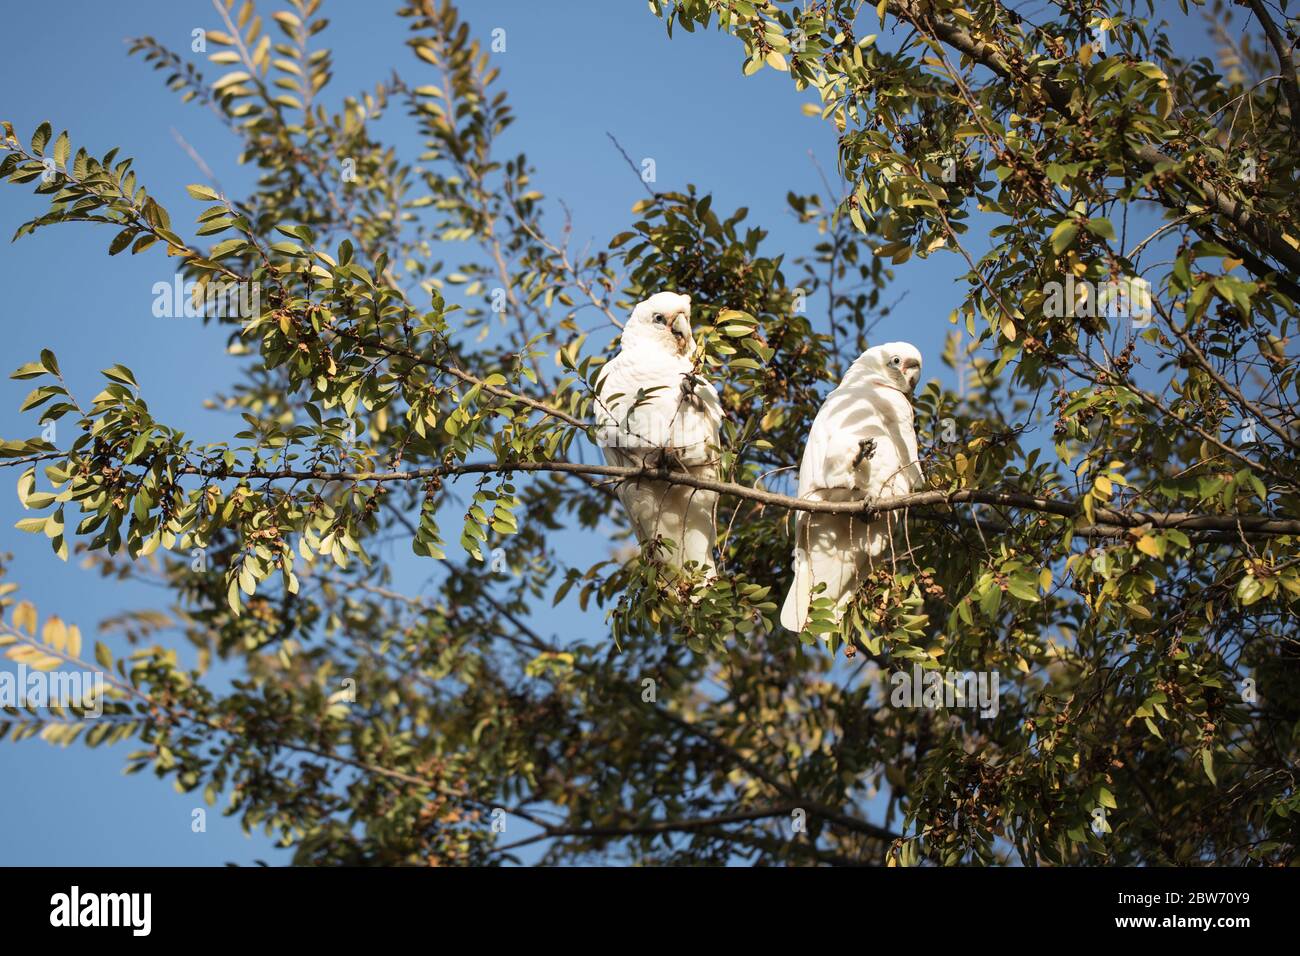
<point x="896" y="361"/>
<point x="659" y="319"/>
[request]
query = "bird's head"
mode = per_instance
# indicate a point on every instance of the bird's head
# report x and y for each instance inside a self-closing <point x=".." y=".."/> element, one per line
<point x="898" y="363"/>
<point x="663" y="319"/>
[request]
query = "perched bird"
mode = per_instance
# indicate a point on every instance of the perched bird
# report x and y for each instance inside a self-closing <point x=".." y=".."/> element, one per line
<point x="654" y="409"/>
<point x="862" y="445"/>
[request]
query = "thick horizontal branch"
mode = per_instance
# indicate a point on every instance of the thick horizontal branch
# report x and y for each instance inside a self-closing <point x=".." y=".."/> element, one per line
<point x="1108" y="521"/>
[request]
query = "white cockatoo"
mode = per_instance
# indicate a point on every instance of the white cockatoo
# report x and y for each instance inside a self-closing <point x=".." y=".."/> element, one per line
<point x="862" y="445"/>
<point x="654" y="409"/>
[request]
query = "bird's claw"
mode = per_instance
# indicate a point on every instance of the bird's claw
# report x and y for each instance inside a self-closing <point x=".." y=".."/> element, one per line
<point x="668" y="459"/>
<point x="866" y="448"/>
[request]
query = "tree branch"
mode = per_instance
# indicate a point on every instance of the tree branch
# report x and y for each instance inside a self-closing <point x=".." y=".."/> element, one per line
<point x="1290" y="85"/>
<point x="1109" y="522"/>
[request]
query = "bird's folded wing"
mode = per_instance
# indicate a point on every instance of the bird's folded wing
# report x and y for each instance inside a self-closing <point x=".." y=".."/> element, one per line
<point x="665" y="415"/>
<point x="700" y="416"/>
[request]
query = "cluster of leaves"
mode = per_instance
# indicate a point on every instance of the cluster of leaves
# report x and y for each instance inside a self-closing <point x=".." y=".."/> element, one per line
<point x="1147" y="667"/>
<point x="1054" y="133"/>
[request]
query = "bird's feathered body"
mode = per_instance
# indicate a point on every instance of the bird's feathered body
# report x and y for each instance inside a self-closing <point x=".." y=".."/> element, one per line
<point x="862" y="445"/>
<point x="654" y="410"/>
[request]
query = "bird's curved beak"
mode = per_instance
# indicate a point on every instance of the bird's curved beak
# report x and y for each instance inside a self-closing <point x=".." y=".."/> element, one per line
<point x="682" y="333"/>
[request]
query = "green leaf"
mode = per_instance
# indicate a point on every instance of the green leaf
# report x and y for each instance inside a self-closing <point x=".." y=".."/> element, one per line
<point x="62" y="149"/>
<point x="122" y="240"/>
<point x="1024" y="585"/>
<point x="26" y="484"/>
<point x="1063" y="235"/>
<point x="1101" y="228"/>
<point x="120" y="373"/>
<point x="40" y="138"/>
<point x="30" y="370"/>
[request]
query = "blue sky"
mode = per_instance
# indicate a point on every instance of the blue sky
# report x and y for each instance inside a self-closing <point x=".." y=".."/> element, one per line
<point x="596" y="67"/>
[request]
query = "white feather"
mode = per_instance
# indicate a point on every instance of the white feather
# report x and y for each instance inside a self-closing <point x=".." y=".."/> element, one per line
<point x="647" y="417"/>
<point x="871" y="403"/>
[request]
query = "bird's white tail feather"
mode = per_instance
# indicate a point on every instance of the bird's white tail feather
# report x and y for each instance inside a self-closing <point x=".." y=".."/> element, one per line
<point x="834" y="551"/>
<point x="794" y="613"/>
<point x="875" y="537"/>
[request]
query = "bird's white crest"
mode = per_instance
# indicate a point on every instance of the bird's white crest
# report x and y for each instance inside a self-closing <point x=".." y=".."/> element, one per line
<point x="862" y="445"/>
<point x="654" y="409"/>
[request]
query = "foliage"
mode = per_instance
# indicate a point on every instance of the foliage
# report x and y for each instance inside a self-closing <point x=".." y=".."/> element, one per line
<point x="1107" y="526"/>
